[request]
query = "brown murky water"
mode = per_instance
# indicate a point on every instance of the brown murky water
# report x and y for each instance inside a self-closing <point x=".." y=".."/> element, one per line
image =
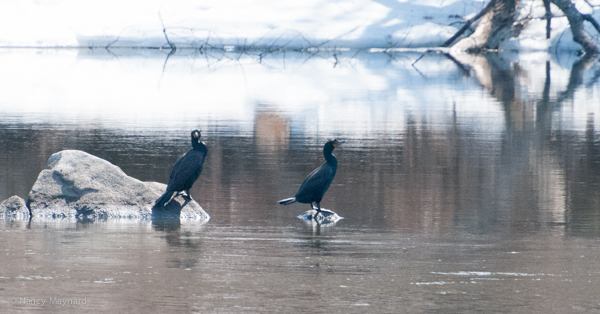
<point x="472" y="189"/>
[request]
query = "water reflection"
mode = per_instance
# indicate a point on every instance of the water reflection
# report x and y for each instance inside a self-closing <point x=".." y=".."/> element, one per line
<point x="518" y="151"/>
<point x="473" y="176"/>
<point x="543" y="140"/>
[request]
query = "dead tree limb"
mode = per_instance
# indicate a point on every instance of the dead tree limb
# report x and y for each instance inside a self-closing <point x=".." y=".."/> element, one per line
<point x="495" y="26"/>
<point x="590" y="18"/>
<point x="164" y="30"/>
<point x="576" y="20"/>
<point x="548" y="18"/>
<point x="469" y="23"/>
<point x="498" y="24"/>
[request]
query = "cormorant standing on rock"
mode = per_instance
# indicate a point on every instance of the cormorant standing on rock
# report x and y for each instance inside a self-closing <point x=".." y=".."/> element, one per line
<point x="186" y="171"/>
<point x="317" y="182"/>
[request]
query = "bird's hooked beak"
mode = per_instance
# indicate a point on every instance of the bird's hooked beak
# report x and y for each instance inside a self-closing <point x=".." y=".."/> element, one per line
<point x="338" y="143"/>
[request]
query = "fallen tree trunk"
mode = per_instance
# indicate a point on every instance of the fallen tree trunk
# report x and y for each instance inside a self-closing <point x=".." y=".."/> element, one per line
<point x="494" y="27"/>
<point x="469" y="23"/>
<point x="498" y="24"/>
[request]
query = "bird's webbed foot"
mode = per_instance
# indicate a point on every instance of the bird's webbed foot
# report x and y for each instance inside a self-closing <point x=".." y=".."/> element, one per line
<point x="185" y="194"/>
<point x="317" y="216"/>
<point x="189" y="195"/>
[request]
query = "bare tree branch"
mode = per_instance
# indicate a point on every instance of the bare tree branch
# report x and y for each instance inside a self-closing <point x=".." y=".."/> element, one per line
<point x="498" y="23"/>
<point x="164" y="30"/>
<point x="117" y="39"/>
<point x="548" y="17"/>
<point x="590" y="18"/>
<point x="576" y="20"/>
<point x="592" y="5"/>
<point x="469" y="23"/>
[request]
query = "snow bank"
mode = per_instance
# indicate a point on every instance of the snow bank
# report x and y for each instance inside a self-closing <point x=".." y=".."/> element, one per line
<point x="260" y="24"/>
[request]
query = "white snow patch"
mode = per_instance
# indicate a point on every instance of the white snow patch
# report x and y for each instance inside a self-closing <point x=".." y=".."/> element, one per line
<point x="235" y="23"/>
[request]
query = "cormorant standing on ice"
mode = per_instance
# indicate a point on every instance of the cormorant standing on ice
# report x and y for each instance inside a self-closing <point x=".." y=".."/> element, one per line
<point x="317" y="182"/>
<point x="186" y="171"/>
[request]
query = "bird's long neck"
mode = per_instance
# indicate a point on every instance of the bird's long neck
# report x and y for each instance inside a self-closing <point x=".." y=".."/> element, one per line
<point x="329" y="156"/>
<point x="198" y="145"/>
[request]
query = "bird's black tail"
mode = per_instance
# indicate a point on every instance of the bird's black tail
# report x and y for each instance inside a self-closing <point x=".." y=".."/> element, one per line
<point x="287" y="201"/>
<point x="160" y="202"/>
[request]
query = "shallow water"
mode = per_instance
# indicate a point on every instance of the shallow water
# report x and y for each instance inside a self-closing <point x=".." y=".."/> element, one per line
<point x="471" y="188"/>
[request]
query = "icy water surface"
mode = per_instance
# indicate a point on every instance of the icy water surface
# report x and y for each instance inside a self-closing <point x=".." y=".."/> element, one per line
<point x="466" y="185"/>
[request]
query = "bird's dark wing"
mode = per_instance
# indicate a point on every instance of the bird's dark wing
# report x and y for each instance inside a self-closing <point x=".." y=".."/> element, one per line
<point x="186" y="170"/>
<point x="316" y="184"/>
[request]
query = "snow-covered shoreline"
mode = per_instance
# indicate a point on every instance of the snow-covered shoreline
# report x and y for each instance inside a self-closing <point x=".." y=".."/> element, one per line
<point x="149" y="89"/>
<point x="266" y="24"/>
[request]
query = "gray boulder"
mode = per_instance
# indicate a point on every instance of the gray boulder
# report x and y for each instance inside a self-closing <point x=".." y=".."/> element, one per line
<point x="76" y="183"/>
<point x="14" y="207"/>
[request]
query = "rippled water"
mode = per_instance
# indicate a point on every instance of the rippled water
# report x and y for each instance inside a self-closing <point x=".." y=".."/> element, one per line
<point x="466" y="185"/>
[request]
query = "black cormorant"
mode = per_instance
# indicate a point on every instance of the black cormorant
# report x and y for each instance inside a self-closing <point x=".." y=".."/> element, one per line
<point x="186" y="171"/>
<point x="317" y="182"/>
